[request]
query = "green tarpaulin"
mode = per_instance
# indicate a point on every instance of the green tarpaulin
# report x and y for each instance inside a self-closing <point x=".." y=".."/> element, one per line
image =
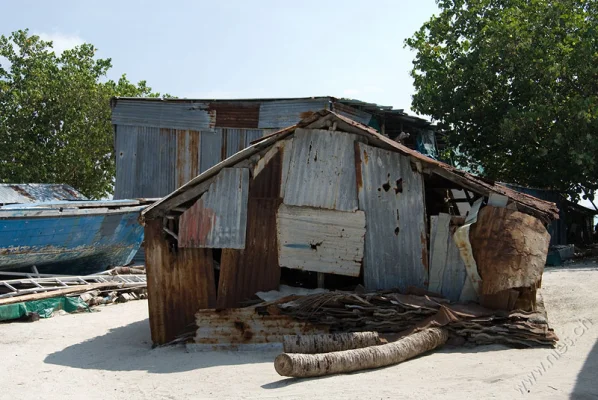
<point x="44" y="308"/>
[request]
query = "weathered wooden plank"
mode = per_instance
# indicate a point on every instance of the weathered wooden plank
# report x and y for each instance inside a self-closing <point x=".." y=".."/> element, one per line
<point x="320" y="240"/>
<point x="322" y="170"/>
<point x="178" y="282"/>
<point x="392" y="196"/>
<point x="219" y="218"/>
<point x="439" y="235"/>
<point x="447" y="271"/>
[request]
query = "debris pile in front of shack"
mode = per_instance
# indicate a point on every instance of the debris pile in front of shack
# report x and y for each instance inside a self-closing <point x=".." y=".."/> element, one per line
<point x="401" y="242"/>
<point x="34" y="296"/>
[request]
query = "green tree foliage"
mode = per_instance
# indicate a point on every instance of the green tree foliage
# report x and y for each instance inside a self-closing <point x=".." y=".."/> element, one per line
<point x="515" y="85"/>
<point x="55" y="114"/>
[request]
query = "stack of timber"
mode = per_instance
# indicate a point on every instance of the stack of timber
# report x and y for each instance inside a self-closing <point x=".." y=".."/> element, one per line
<point x="402" y="314"/>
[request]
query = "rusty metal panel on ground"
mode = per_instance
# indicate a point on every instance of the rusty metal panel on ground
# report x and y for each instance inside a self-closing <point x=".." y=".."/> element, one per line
<point x="244" y="326"/>
<point x="392" y="196"/>
<point x="187" y="155"/>
<point x="219" y="218"/>
<point x="211" y="149"/>
<point x="283" y="113"/>
<point x="322" y="170"/>
<point x="157" y="114"/>
<point x="320" y="240"/>
<point x="509" y="248"/>
<point x="447" y="270"/>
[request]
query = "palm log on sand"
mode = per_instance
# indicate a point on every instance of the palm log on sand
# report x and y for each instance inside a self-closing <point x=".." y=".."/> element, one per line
<point x="308" y="365"/>
<point x="326" y="343"/>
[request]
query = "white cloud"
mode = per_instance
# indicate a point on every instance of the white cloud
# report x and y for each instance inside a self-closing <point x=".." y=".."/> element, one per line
<point x="61" y="41"/>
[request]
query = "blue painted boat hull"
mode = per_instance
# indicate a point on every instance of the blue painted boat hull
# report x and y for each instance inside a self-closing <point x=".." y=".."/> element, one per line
<point x="70" y="244"/>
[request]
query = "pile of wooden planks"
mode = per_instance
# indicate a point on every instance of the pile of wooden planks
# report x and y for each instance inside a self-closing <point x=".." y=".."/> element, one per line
<point x="396" y="313"/>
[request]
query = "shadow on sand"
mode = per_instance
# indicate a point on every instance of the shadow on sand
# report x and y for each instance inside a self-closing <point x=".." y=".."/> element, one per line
<point x="128" y="348"/>
<point x="586" y="386"/>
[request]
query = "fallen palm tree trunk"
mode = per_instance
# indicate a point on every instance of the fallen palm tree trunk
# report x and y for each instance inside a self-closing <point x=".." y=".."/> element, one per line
<point x="312" y="344"/>
<point x="308" y="365"/>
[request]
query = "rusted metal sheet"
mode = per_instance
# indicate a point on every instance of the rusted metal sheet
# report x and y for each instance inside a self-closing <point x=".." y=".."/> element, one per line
<point x="392" y="196"/>
<point x="347" y="111"/>
<point x="324" y="118"/>
<point x="237" y="326"/>
<point x="322" y="170"/>
<point x="187" y="155"/>
<point x="11" y="193"/>
<point x="320" y="240"/>
<point x="246" y="272"/>
<point x="219" y="218"/>
<point x="178" y="282"/>
<point x="282" y="113"/>
<point x="510" y="249"/>
<point x="148" y="160"/>
<point x="174" y="115"/>
<point x="236" y="114"/>
<point x="447" y="271"/>
<point x="211" y="149"/>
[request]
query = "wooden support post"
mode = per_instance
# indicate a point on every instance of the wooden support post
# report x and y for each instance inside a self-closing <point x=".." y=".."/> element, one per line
<point x="321" y="279"/>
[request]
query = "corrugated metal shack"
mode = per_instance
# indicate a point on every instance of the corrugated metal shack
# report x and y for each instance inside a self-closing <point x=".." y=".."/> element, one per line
<point x="160" y="144"/>
<point x="330" y="202"/>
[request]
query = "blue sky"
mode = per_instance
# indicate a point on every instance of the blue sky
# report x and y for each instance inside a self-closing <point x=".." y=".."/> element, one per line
<point x="235" y="48"/>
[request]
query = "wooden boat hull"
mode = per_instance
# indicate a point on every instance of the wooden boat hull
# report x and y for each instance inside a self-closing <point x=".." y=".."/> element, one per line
<point x="68" y="242"/>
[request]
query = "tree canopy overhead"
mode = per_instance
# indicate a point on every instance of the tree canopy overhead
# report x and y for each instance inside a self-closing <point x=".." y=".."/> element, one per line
<point x="515" y="85"/>
<point x="55" y="114"/>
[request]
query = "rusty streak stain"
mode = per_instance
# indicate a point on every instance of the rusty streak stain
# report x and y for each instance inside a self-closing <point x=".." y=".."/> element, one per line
<point x="358" y="173"/>
<point x="306" y="114"/>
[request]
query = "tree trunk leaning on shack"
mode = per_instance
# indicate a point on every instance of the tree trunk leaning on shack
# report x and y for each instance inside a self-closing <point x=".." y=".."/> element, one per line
<point x="326" y="343"/>
<point x="308" y="365"/>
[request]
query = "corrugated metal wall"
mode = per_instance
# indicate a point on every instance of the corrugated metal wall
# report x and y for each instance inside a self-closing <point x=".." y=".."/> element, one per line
<point x="280" y="114"/>
<point x="157" y="114"/>
<point x="392" y="196"/>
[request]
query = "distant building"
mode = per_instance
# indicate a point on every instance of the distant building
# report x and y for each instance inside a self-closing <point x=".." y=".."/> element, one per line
<point x="162" y="143"/>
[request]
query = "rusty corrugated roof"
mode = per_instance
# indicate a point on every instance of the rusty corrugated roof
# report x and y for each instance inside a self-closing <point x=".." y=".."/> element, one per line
<point x="325" y="118"/>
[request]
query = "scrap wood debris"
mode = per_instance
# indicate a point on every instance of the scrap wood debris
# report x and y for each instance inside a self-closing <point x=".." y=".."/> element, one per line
<point x="402" y="314"/>
<point x="31" y="298"/>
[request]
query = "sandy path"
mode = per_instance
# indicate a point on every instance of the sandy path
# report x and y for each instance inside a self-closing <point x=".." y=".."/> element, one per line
<point x="106" y="355"/>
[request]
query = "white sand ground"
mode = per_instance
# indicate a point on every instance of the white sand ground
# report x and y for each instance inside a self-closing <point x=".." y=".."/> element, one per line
<point x="107" y="355"/>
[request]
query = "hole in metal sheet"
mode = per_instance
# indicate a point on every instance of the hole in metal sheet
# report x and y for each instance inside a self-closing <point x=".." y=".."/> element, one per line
<point x="397" y="231"/>
<point x="399" y="187"/>
<point x="386" y="187"/>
